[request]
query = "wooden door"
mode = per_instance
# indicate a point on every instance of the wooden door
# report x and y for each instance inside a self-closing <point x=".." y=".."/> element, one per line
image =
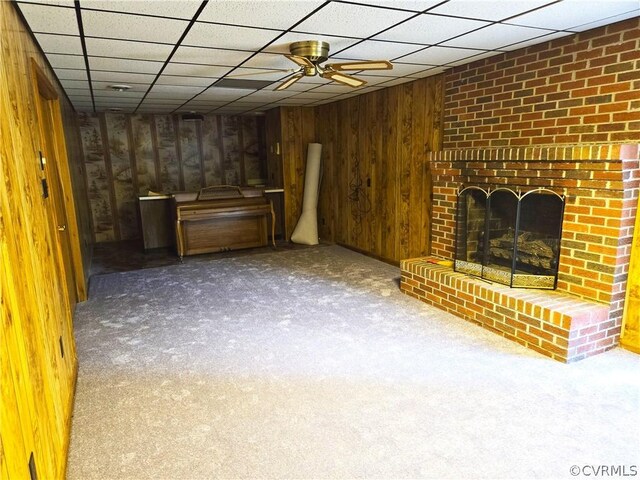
<point x="54" y="183"/>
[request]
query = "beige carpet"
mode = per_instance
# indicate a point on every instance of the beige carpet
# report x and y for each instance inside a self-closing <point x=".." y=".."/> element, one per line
<point x="311" y="364"/>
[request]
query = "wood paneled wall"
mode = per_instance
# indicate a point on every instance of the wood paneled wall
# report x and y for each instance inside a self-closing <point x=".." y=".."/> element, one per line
<point x="36" y="379"/>
<point x="129" y="155"/>
<point x="376" y="187"/>
<point x="288" y="132"/>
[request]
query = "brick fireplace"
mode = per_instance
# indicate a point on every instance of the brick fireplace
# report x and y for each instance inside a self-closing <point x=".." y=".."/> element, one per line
<point x="583" y="316"/>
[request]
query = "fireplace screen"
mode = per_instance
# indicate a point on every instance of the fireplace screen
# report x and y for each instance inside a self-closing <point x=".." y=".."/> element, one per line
<point x="509" y="237"/>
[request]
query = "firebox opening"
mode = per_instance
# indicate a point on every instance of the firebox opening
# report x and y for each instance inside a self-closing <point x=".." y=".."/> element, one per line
<point x="509" y="237"/>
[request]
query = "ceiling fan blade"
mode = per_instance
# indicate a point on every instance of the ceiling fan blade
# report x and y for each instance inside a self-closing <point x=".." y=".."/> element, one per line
<point x="289" y="81"/>
<point x="261" y="72"/>
<point x="343" y="78"/>
<point x="302" y="61"/>
<point x="364" y="65"/>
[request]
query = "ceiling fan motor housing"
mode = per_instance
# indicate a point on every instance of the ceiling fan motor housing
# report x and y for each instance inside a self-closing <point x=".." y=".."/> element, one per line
<point x="314" y="50"/>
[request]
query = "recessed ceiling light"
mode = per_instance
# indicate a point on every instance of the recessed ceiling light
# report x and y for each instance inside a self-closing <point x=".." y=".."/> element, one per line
<point x="120" y="87"/>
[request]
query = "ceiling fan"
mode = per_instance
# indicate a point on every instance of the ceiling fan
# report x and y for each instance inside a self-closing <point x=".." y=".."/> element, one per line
<point x="309" y="54"/>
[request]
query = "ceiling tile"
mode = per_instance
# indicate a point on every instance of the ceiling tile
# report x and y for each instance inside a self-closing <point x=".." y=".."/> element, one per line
<point x="399" y="81"/>
<point x="124" y="65"/>
<point x="572" y="13"/>
<point x="232" y="110"/>
<point x="78" y="92"/>
<point x="121" y="77"/>
<point x="135" y="92"/>
<point x="378" y="50"/>
<point x="270" y="95"/>
<point x="314" y="95"/>
<point x="59" y="43"/>
<point x="203" y="104"/>
<point x="84" y="105"/>
<point x="438" y="55"/>
<point x="426" y="73"/>
<point x="224" y="93"/>
<point x="155" y="109"/>
<point x="192" y="70"/>
<point x="535" y="41"/>
<point x="49" y="19"/>
<point x="240" y="104"/>
<point x="58" y="60"/>
<point x="71" y="73"/>
<point x="351" y="20"/>
<point x="496" y="36"/>
<point x="323" y="102"/>
<point x="175" y="96"/>
<point x="492" y="10"/>
<point x="281" y="45"/>
<point x="118" y="109"/>
<point x="225" y="36"/>
<point x="179" y="80"/>
<point x="181" y="91"/>
<point x="473" y="58"/>
<point x="158" y="108"/>
<point x="257" y="74"/>
<point x="296" y="87"/>
<point x="296" y="101"/>
<point x="132" y="27"/>
<point x="311" y="81"/>
<point x="333" y="87"/>
<point x="412" y="5"/>
<point x="429" y="29"/>
<point x="58" y="3"/>
<point x="163" y="8"/>
<point x="249" y="100"/>
<point x="605" y="21"/>
<point x="116" y="102"/>
<point x="83" y="99"/>
<point x="278" y="14"/>
<point x="74" y="84"/>
<point x="399" y="70"/>
<point x="209" y="56"/>
<point x="270" y="60"/>
<point x="104" y="85"/>
<point x="101" y="47"/>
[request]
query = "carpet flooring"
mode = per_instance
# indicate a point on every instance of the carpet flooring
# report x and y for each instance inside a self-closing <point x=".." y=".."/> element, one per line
<point x="312" y="364"/>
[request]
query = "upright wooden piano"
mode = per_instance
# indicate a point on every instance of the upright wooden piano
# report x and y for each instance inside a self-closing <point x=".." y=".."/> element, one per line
<point x="223" y="218"/>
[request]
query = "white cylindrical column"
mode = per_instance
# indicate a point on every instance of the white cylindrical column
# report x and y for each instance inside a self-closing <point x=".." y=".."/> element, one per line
<point x="306" y="231"/>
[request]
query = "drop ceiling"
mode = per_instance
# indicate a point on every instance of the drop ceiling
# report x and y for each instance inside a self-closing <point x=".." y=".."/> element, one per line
<point x="172" y="53"/>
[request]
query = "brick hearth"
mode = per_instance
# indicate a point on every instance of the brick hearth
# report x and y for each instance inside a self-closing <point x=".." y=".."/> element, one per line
<point x="561" y="326"/>
<point x="601" y="186"/>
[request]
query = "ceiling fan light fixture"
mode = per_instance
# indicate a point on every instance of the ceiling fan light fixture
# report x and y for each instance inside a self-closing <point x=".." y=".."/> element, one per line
<point x="309" y="56"/>
<point x="290" y="81"/>
<point x="312" y="50"/>
<point x="301" y="61"/>
<point x="368" y="65"/>
<point x="344" y="79"/>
